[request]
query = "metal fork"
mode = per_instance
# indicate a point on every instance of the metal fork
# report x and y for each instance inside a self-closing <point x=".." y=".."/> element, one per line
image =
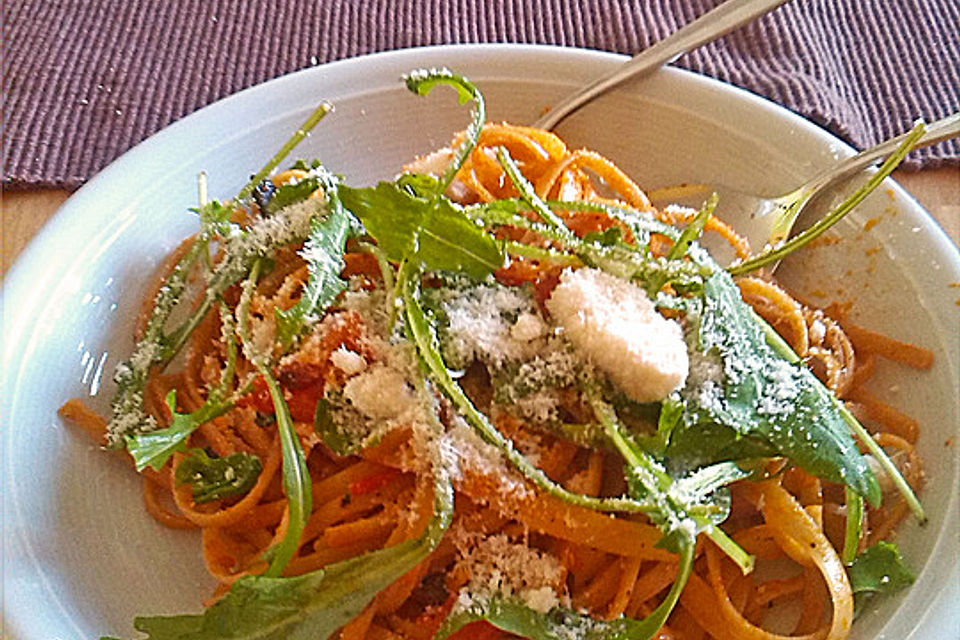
<point x="769" y="220"/>
<point x="715" y="23"/>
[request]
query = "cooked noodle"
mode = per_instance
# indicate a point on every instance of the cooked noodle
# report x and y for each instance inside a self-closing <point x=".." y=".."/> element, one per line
<point x="609" y="566"/>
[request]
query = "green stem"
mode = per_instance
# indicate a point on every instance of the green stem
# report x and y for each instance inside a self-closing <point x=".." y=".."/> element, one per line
<point x="854" y="529"/>
<point x="660" y="482"/>
<point x="889" y="466"/>
<point x="296" y="476"/>
<point x="298" y="136"/>
<point x="542" y="254"/>
<point x="694" y="230"/>
<point x="527" y="191"/>
<point x="783" y="348"/>
<point x="734" y="551"/>
<point x="422" y="336"/>
<point x="422" y="83"/>
<point x="687" y="555"/>
<point x="779" y="252"/>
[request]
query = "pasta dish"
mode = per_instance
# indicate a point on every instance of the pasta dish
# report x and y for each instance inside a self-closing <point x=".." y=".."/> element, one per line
<point x="505" y="396"/>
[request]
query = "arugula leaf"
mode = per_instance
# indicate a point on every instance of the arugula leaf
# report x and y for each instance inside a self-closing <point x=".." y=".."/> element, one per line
<point x="156" y="347"/>
<point x="621" y="260"/>
<point x="154" y="448"/>
<point x="423" y="81"/>
<point x="671" y="412"/>
<point x="609" y="237"/>
<point x="694" y="230"/>
<point x="699" y="485"/>
<point x="215" y="217"/>
<point x="559" y="623"/>
<point x="887" y="465"/>
<point x="216" y="478"/>
<point x="878" y="570"/>
<point x="127" y="414"/>
<point x="313" y="605"/>
<point x="326" y="428"/>
<point x="422" y="333"/>
<point x="764" y="401"/>
<point x="431" y="231"/>
<point x="324" y="254"/>
<point x="514" y="617"/>
<point x="683" y="508"/>
<point x="854" y="526"/>
<point x="290" y="193"/>
<point x="343" y="443"/>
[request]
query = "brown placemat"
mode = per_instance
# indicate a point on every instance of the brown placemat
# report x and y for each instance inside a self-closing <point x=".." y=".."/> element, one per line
<point x="85" y="80"/>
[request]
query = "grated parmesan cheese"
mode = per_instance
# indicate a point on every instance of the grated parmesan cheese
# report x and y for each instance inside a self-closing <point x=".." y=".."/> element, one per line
<point x="480" y="326"/>
<point x="350" y="362"/>
<point x="462" y="448"/>
<point x="498" y="566"/>
<point x="616" y="325"/>
<point x="380" y="392"/>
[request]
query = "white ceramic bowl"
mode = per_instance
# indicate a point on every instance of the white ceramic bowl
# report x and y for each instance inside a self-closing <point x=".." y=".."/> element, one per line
<point x="81" y="557"/>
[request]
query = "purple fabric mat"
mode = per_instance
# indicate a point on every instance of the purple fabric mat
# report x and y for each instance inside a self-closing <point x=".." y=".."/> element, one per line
<point x="85" y="80"/>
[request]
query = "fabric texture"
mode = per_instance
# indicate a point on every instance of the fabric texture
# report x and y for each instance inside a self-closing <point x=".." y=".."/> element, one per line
<point x="85" y="80"/>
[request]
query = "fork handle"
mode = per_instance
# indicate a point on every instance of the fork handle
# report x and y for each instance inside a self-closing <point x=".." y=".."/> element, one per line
<point x="708" y="27"/>
<point x="938" y="131"/>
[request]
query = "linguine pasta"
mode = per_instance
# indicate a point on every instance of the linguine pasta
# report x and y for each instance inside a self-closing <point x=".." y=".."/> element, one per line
<point x="548" y="540"/>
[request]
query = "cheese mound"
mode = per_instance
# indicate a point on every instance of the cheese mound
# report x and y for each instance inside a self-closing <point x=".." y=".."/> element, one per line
<point x="614" y="323"/>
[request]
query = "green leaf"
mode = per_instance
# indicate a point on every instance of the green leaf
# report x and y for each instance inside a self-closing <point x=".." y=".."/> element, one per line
<point x="671" y="412"/>
<point x="323" y="252"/>
<point x="514" y="617"/>
<point x="157" y="348"/>
<point x="682" y="508"/>
<point x="609" y="237"/>
<point x="291" y="193"/>
<point x="878" y="570"/>
<point x="699" y="485"/>
<point x="311" y="606"/>
<point x="694" y="230"/>
<point x="216" y="478"/>
<point x="559" y="623"/>
<point x="422" y="333"/>
<point x="433" y="232"/>
<point x="854" y="526"/>
<point x="215" y="217"/>
<point x="296" y="478"/>
<point x="154" y="448"/>
<point x="763" y="401"/>
<point x="327" y="429"/>
<point x="127" y="414"/>
<point x="423" y="81"/>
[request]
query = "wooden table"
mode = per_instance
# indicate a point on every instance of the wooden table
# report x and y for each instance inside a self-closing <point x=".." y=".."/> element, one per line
<point x="25" y="212"/>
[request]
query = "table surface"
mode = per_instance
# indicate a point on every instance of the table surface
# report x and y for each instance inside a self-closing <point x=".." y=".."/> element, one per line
<point x="25" y="212"/>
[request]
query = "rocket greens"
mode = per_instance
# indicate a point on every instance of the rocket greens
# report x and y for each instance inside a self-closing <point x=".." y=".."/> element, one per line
<point x="761" y="402"/>
<point x="218" y="478"/>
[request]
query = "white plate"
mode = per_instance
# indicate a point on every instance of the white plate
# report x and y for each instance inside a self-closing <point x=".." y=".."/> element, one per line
<point x="82" y="557"/>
